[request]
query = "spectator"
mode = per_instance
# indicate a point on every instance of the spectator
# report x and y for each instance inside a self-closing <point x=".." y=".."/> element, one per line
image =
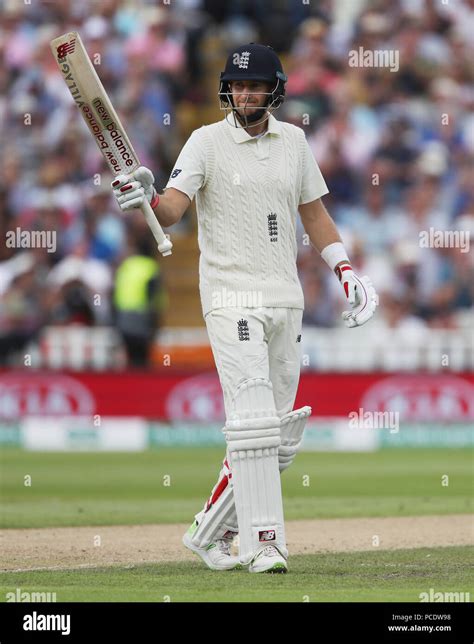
<point x="396" y="148"/>
<point x="20" y="305"/>
<point x="139" y="299"/>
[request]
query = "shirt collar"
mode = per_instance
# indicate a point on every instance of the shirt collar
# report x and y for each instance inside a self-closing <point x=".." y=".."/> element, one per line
<point x="240" y="135"/>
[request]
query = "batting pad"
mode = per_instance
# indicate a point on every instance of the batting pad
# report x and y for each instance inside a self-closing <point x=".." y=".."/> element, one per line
<point x="291" y="431"/>
<point x="218" y="517"/>
<point x="253" y="438"/>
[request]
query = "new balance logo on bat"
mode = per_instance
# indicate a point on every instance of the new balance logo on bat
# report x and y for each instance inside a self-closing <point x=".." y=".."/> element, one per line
<point x="66" y="48"/>
<point x="266" y="535"/>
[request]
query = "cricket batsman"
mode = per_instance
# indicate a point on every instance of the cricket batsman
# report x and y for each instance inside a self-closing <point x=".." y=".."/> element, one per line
<point x="251" y="174"/>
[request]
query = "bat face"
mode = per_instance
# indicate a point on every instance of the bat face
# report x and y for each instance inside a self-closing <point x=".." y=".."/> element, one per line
<point x="92" y="100"/>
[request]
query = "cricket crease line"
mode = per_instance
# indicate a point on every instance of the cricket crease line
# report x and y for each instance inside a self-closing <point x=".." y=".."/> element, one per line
<point x="39" y="568"/>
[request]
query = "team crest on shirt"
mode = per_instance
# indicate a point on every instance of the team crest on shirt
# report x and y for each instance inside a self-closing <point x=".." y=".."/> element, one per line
<point x="273" y="226"/>
<point x="175" y="173"/>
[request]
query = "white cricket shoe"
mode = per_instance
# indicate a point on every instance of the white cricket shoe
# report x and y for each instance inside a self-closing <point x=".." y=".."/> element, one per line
<point x="216" y="555"/>
<point x="269" y="559"/>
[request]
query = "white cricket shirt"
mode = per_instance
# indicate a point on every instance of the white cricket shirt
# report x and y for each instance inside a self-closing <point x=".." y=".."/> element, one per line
<point x="247" y="195"/>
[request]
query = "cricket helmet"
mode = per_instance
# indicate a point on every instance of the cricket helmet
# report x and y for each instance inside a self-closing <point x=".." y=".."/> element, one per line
<point x="254" y="62"/>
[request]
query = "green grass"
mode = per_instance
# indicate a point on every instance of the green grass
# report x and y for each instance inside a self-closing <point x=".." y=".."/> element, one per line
<point x="115" y="488"/>
<point x="70" y="489"/>
<point x="374" y="576"/>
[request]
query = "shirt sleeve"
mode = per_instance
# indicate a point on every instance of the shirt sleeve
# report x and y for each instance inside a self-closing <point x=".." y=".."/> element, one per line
<point x="189" y="172"/>
<point x="313" y="185"/>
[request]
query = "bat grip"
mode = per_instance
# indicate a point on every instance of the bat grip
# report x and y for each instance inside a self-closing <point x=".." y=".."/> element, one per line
<point x="164" y="244"/>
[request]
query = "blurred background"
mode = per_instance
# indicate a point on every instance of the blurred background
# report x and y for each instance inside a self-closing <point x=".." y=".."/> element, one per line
<point x="396" y="148"/>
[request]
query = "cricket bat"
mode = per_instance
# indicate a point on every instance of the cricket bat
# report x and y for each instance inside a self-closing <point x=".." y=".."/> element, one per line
<point x="92" y="100"/>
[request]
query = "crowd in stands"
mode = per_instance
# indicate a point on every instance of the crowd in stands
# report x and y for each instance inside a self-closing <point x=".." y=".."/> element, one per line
<point x="394" y="143"/>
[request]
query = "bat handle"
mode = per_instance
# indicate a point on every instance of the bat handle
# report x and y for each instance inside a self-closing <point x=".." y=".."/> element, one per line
<point x="164" y="244"/>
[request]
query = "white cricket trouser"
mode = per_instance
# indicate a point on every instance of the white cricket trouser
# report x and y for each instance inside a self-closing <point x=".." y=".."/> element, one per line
<point x="268" y="346"/>
<point x="252" y="343"/>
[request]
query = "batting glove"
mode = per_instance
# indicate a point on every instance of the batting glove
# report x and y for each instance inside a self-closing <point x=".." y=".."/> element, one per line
<point x="360" y="294"/>
<point x="131" y="190"/>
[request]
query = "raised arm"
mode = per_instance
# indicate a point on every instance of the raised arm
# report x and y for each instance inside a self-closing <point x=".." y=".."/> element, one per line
<point x="171" y="207"/>
<point x="131" y="190"/>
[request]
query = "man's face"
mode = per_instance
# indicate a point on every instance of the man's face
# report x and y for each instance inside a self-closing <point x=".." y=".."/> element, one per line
<point x="249" y="95"/>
